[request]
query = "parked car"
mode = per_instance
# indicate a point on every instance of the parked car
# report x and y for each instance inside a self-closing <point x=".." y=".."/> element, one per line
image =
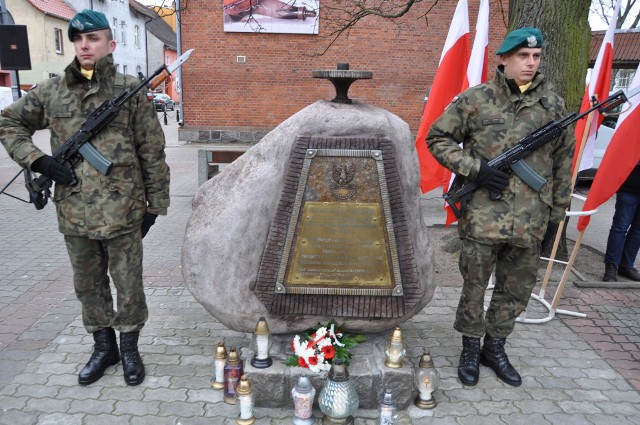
<point x="603" y="137"/>
<point x="163" y="102"/>
<point x="6" y="96"/>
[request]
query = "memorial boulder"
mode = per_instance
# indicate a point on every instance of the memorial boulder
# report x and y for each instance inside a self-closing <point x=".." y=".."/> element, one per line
<point x="320" y="219"/>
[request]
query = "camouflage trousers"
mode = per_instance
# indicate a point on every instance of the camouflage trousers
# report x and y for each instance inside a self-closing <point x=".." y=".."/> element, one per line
<point x="516" y="271"/>
<point x="92" y="262"/>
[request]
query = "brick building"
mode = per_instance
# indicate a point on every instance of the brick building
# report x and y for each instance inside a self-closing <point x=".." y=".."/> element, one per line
<point x="238" y="86"/>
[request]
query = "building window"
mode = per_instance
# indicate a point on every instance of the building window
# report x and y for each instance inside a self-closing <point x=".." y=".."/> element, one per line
<point x="124" y="69"/>
<point x="59" y="40"/>
<point x="136" y="36"/>
<point x="166" y="60"/>
<point x="117" y="67"/>
<point x="114" y="29"/>
<point x="138" y="70"/>
<point x="123" y="27"/>
<point x="623" y="78"/>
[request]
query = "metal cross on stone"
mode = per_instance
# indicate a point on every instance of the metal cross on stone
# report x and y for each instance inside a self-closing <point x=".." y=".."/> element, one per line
<point x="342" y="78"/>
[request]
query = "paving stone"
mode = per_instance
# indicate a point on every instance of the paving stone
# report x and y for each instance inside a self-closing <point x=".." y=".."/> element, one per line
<point x="91" y="406"/>
<point x="567" y="419"/>
<point x="14" y="417"/>
<point x="136" y="408"/>
<point x="60" y="419"/>
<point x="537" y="406"/>
<point x="600" y="419"/>
<point x="166" y="394"/>
<point x="182" y="409"/>
<point x="532" y="419"/>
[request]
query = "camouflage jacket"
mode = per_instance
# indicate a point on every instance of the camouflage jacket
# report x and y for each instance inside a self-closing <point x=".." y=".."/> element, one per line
<point x="98" y="207"/>
<point x="487" y="120"/>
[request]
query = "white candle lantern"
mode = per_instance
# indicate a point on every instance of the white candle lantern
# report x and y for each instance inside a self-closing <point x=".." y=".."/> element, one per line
<point x="261" y="344"/>
<point x="395" y="350"/>
<point x="338" y="398"/>
<point x="426" y="381"/>
<point x="303" y="394"/>
<point x="387" y="409"/>
<point x="219" y="361"/>
<point x="244" y="402"/>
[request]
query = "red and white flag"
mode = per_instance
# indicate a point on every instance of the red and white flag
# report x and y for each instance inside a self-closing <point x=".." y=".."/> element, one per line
<point x="599" y="85"/>
<point x="477" y="72"/>
<point x="619" y="159"/>
<point x="446" y="84"/>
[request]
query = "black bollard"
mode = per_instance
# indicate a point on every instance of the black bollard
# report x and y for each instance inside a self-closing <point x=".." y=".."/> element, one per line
<point x="178" y="115"/>
<point x="165" y="115"/>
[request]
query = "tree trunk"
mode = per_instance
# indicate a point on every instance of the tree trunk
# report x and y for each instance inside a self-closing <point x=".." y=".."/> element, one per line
<point x="565" y="55"/>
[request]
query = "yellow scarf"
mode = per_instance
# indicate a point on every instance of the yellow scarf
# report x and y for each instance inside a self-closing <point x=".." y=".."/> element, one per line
<point x="525" y="87"/>
<point x="87" y="73"/>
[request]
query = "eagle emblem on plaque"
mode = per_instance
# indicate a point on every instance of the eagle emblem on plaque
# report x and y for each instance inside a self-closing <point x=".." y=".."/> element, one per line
<point x="342" y="175"/>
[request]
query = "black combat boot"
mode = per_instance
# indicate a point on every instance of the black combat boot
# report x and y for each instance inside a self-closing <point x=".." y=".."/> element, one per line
<point x="629" y="273"/>
<point x="469" y="367"/>
<point x="493" y="356"/>
<point x="610" y="271"/>
<point x="105" y="354"/>
<point x="132" y="365"/>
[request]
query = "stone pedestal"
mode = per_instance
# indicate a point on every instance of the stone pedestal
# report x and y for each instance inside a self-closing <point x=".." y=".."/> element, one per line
<point x="272" y="386"/>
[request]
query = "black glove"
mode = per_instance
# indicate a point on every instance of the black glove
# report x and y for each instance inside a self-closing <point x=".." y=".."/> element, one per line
<point x="148" y="220"/>
<point x="491" y="178"/>
<point x="549" y="236"/>
<point x="49" y="167"/>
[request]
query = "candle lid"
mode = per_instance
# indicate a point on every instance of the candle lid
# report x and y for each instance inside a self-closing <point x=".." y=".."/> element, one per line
<point x="387" y="398"/>
<point x="262" y="328"/>
<point x="233" y="358"/>
<point x="304" y="384"/>
<point x="397" y="335"/>
<point x="338" y="371"/>
<point x="221" y="351"/>
<point x="244" y="386"/>
<point x="425" y="360"/>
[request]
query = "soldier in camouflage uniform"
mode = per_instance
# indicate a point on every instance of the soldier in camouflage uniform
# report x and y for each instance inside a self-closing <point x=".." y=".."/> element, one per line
<point x="103" y="218"/>
<point x="504" y="234"/>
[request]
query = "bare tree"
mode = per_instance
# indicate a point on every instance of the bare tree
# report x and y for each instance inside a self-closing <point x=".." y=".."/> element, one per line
<point x="629" y="16"/>
<point x="563" y="22"/>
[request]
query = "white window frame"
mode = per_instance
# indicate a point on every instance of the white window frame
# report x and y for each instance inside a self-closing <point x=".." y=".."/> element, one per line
<point x="114" y="29"/>
<point x="59" y="39"/>
<point x="136" y="36"/>
<point x="123" y="32"/>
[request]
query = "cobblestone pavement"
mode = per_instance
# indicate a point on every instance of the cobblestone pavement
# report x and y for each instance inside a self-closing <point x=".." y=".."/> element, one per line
<point x="575" y="370"/>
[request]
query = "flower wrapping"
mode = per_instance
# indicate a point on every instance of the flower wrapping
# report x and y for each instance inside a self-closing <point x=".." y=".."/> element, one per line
<point x="317" y="349"/>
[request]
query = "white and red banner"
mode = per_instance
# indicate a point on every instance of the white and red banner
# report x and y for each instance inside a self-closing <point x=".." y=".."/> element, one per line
<point x="619" y="159"/>
<point x="447" y="83"/>
<point x="599" y="85"/>
<point x="477" y="72"/>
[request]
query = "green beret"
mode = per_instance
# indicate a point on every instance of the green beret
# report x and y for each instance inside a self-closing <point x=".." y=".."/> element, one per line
<point x="522" y="37"/>
<point x="87" y="21"/>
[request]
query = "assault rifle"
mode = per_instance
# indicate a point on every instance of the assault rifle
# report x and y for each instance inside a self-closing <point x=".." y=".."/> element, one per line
<point x="77" y="148"/>
<point x="513" y="158"/>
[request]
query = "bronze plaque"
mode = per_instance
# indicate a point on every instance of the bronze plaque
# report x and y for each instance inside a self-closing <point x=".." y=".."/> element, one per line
<point x="340" y="245"/>
<point x="333" y="189"/>
<point x="340" y="239"/>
